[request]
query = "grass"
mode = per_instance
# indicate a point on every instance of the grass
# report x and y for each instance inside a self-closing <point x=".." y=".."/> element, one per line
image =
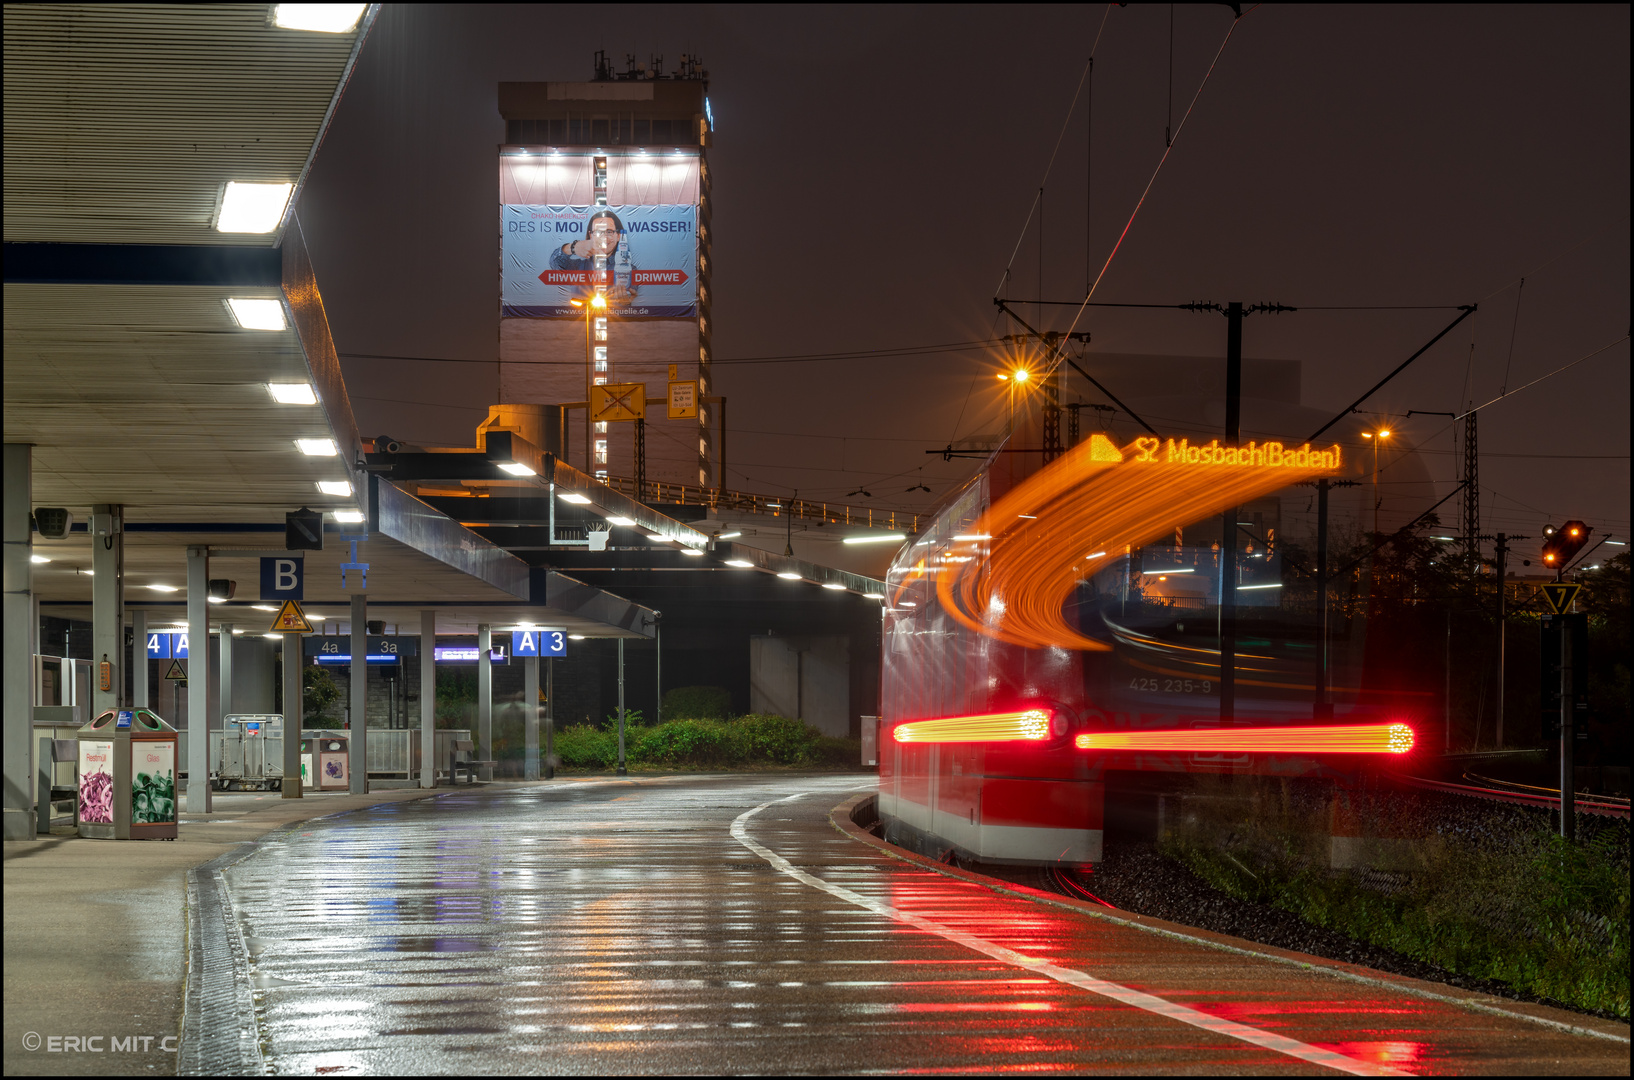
<point x="1488" y="892"/>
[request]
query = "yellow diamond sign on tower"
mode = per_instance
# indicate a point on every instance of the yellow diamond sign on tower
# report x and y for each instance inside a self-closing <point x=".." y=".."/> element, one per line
<point x="291" y="620"/>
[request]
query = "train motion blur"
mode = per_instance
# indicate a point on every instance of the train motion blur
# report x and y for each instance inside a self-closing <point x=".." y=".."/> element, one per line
<point x="1061" y="623"/>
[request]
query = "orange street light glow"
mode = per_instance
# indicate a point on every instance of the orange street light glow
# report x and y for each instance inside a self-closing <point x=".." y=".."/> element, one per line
<point x="990" y="727"/>
<point x="1108" y="499"/>
<point x="1020" y="375"/>
<point x="1362" y="739"/>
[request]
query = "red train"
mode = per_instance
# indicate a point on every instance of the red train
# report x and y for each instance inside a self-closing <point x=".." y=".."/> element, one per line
<point x="1056" y="629"/>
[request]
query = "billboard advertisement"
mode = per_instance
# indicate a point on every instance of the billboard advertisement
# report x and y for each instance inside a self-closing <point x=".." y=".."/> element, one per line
<point x="549" y="252"/>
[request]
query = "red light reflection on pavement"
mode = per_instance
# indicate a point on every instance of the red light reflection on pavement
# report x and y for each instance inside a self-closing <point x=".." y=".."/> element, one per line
<point x="1394" y="1054"/>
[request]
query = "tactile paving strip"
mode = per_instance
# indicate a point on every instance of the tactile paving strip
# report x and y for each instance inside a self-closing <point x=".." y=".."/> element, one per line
<point x="219" y="1035"/>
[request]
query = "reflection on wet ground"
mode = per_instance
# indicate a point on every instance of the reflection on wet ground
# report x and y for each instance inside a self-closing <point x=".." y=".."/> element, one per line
<point x="618" y="927"/>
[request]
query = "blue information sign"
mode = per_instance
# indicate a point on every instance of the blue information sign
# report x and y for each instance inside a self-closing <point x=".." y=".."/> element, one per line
<point x="124" y="718"/>
<point x="282" y="578"/>
<point x="178" y="646"/>
<point x="158" y="646"/>
<point x="538" y="643"/>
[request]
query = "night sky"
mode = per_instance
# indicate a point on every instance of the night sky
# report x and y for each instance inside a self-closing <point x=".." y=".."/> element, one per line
<point x="873" y="168"/>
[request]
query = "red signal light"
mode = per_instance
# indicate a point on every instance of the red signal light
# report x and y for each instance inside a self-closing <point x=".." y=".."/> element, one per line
<point x="1356" y="739"/>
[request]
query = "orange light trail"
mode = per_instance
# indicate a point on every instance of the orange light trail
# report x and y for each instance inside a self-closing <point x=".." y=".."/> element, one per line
<point x="1096" y="497"/>
<point x="1356" y="739"/>
<point x="990" y="727"/>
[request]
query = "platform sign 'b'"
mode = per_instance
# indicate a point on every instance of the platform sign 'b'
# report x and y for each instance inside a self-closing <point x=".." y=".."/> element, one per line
<point x="282" y="578"/>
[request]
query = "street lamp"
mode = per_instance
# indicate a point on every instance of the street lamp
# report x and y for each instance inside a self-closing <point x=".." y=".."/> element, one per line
<point x="598" y="302"/>
<point x="1377" y="437"/>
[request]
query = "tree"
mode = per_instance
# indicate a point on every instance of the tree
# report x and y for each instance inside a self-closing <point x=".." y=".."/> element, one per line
<point x="318" y="693"/>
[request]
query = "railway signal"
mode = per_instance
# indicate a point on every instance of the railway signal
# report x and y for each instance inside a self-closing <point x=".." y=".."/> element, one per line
<point x="1559" y="545"/>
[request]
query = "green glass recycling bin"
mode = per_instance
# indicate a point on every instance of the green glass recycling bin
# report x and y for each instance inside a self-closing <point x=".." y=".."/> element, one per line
<point x="127" y="777"/>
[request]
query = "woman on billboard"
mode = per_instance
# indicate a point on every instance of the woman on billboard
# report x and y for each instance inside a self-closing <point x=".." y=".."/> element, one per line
<point x="605" y="243"/>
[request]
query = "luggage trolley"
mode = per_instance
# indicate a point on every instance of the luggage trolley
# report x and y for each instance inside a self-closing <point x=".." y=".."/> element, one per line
<point x="251" y="757"/>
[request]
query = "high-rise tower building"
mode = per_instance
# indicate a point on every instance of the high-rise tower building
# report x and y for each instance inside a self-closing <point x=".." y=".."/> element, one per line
<point x="605" y="258"/>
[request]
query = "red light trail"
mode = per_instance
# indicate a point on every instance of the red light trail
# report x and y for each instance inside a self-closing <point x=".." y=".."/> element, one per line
<point x="1354" y="739"/>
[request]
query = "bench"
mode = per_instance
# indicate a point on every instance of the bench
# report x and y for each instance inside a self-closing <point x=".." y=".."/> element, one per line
<point x="459" y="751"/>
<point x="53" y="751"/>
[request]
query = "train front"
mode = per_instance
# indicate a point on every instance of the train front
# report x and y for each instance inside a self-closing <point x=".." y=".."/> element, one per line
<point x="1055" y="640"/>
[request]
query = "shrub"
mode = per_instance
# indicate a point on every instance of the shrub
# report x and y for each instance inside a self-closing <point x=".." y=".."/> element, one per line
<point x="632" y="718"/>
<point x="582" y="746"/>
<point x="318" y="694"/>
<point x="827" y="750"/>
<point x="698" y="703"/>
<point x="778" y="739"/>
<point x="686" y="742"/>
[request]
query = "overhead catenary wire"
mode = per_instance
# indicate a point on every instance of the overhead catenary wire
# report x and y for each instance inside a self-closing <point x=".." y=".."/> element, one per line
<point x="1038" y="198"/>
<point x="1113" y="254"/>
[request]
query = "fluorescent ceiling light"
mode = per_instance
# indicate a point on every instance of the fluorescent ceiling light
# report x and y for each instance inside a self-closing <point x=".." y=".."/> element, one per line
<point x="254" y="313"/>
<point x="516" y="468"/>
<point x="789" y="575"/>
<point x="690" y="551"/>
<point x="1183" y="570"/>
<point x="745" y="563"/>
<point x="1619" y="543"/>
<point x="873" y="596"/>
<point x="735" y="535"/>
<point x="657" y="539"/>
<point x="575" y="637"/>
<point x="335" y="487"/>
<point x="832" y="585"/>
<point x="1243" y="588"/>
<point x="38" y="559"/>
<point x="614" y="519"/>
<point x="318" y="447"/>
<point x="216" y="599"/>
<point x="348" y="517"/>
<point x="973" y="536"/>
<point x="237" y="631"/>
<point x="898" y="537"/>
<point x="298" y="393"/>
<point x="164" y="588"/>
<point x="910" y="603"/>
<point x="262" y="607"/>
<point x="573" y="497"/>
<point x="252" y="208"/>
<point x="275" y="637"/>
<point x="322" y="18"/>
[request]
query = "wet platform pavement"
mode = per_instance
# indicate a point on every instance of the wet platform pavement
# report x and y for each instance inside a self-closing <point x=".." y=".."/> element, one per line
<point x="665" y="926"/>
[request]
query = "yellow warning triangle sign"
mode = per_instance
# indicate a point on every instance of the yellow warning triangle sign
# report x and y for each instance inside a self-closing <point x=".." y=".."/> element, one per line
<point x="1560" y="595"/>
<point x="291" y="620"/>
<point x="176" y="671"/>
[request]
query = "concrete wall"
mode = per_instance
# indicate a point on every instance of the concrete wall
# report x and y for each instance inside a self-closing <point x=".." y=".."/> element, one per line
<point x="808" y="678"/>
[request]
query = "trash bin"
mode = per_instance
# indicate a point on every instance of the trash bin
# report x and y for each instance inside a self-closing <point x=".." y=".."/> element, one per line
<point x="323" y="761"/>
<point x="127" y="777"/>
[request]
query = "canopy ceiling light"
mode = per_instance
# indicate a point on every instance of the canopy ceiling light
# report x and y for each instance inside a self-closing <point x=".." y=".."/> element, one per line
<point x="253" y="208"/>
<point x="335" y="487"/>
<point x="318" y="447"/>
<point x="259" y="313"/>
<point x="874" y="539"/>
<point x="573" y="497"/>
<point x="292" y="393"/>
<point x="319" y="18"/>
<point x="516" y="468"/>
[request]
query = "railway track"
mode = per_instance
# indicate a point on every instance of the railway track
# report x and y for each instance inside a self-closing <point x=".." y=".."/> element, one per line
<point x="1522" y="795"/>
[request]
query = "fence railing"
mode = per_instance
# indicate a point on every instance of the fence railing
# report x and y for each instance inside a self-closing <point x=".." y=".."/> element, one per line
<point x="656" y="491"/>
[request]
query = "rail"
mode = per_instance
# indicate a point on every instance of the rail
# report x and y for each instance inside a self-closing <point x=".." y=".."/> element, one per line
<point x="657" y="491"/>
<point x="1585" y="804"/>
